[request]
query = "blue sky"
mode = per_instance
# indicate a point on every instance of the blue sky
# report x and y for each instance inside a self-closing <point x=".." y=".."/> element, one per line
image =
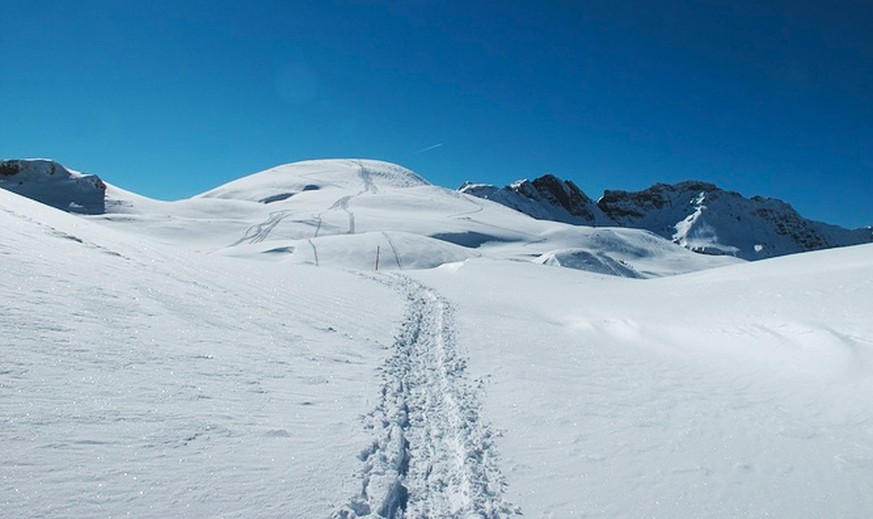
<point x="171" y="98"/>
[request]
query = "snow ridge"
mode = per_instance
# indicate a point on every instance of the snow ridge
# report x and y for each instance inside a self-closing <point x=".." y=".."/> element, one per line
<point x="432" y="456"/>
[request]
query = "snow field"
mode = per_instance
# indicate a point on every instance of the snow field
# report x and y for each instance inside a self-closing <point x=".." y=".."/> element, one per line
<point x="736" y="392"/>
<point x="232" y="357"/>
<point x="145" y="382"/>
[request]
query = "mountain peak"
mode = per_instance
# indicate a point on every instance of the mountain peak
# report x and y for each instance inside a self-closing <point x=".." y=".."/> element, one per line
<point x="48" y="182"/>
<point x="695" y="214"/>
<point x="544" y="198"/>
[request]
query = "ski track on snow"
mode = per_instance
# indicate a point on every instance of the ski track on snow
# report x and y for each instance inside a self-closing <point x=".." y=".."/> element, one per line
<point x="63" y="235"/>
<point x="260" y="231"/>
<point x="367" y="179"/>
<point x="343" y="203"/>
<point x="314" y="251"/>
<point x="318" y="222"/>
<point x="393" y="249"/>
<point x="465" y="214"/>
<point x="431" y="456"/>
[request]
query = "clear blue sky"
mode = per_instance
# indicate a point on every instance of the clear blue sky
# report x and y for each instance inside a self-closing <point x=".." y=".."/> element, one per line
<point x="170" y="98"/>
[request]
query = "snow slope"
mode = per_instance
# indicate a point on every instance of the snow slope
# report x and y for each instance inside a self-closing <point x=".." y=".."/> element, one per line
<point x="144" y="381"/>
<point x="154" y="367"/>
<point x="737" y="392"/>
<point x="345" y="213"/>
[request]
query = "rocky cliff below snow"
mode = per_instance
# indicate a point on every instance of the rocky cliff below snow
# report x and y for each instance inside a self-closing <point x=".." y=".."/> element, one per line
<point x="696" y="215"/>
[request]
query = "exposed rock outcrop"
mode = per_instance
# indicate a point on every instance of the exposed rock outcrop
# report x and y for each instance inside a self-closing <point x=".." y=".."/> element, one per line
<point x="544" y="198"/>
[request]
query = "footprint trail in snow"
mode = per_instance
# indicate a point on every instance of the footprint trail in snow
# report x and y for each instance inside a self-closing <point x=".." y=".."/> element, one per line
<point x="431" y="456"/>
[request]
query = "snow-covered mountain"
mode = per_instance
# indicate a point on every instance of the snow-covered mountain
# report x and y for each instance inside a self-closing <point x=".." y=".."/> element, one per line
<point x="704" y="218"/>
<point x="696" y="215"/>
<point x="357" y="213"/>
<point x="297" y="203"/>
<point x="238" y="355"/>
<point x="50" y="183"/>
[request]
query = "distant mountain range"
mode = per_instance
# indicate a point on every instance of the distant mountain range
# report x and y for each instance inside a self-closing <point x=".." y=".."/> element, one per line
<point x="352" y="214"/>
<point x="696" y="215"/>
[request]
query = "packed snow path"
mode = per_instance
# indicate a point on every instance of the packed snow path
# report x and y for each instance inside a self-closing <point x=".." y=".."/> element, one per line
<point x="431" y="456"/>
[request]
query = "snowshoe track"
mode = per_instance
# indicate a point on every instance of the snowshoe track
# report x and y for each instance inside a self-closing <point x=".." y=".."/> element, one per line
<point x="431" y="456"/>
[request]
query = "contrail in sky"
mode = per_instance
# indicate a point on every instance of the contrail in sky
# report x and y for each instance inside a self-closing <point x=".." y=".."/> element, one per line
<point x="435" y="146"/>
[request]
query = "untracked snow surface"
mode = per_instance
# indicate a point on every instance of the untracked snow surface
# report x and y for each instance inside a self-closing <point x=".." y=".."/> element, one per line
<point x="238" y="355"/>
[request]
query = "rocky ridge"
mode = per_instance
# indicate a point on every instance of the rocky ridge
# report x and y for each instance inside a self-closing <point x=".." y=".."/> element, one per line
<point x="697" y="215"/>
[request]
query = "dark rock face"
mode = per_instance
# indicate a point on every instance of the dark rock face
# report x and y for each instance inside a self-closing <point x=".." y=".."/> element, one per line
<point x="544" y="198"/>
<point x="625" y="207"/>
<point x="800" y="230"/>
<point x="704" y="218"/>
<point x="50" y="183"/>
<point x="9" y="168"/>
<point x="564" y="194"/>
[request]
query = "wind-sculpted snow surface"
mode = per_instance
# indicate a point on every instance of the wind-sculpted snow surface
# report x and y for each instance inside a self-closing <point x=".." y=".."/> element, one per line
<point x="591" y="262"/>
<point x="432" y="456"/>
<point x="344" y="213"/>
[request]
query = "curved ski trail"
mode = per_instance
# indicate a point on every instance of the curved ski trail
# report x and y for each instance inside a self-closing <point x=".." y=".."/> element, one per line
<point x="260" y="231"/>
<point x="431" y="456"/>
<point x="342" y="204"/>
